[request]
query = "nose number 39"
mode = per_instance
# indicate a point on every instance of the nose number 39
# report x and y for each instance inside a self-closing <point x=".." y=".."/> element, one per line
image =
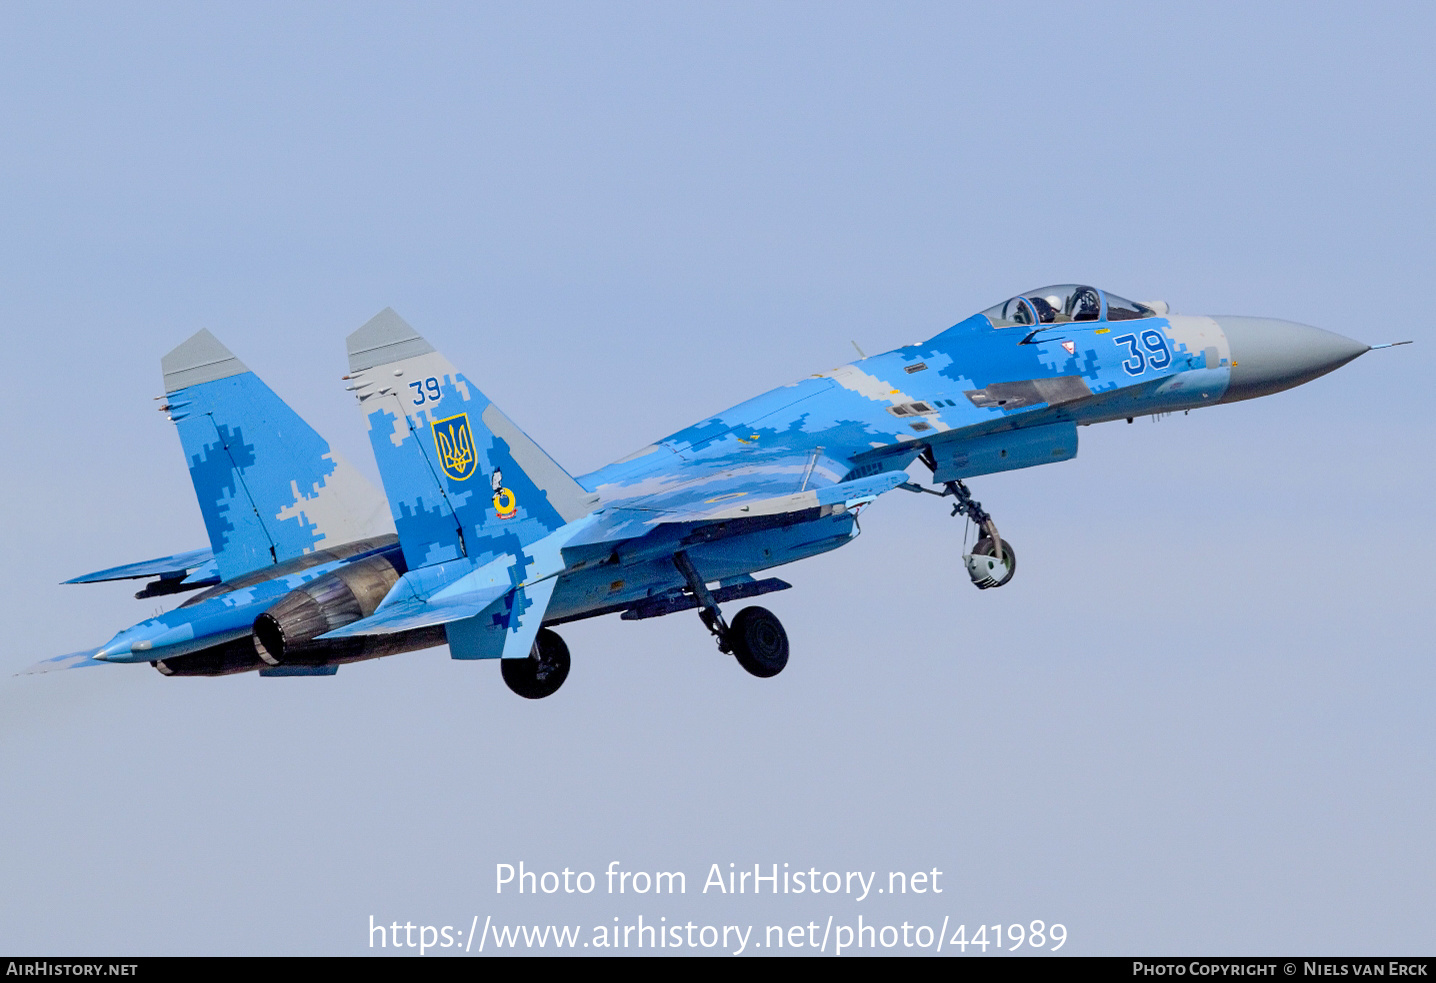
<point x="1147" y="350"/>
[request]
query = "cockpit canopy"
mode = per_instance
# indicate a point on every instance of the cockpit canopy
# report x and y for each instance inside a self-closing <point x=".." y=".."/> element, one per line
<point x="1063" y="304"/>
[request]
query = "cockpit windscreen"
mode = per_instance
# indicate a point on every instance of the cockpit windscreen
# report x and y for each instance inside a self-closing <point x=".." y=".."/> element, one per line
<point x="1066" y="303"/>
<point x="1122" y="309"/>
<point x="1011" y="313"/>
<point x="1063" y="304"/>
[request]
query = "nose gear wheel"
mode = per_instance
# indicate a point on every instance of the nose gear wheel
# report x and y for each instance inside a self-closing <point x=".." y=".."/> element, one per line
<point x="987" y="566"/>
<point x="992" y="561"/>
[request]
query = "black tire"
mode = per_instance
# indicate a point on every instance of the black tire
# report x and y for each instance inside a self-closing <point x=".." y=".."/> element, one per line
<point x="543" y="672"/>
<point x="985" y="547"/>
<point x="759" y="642"/>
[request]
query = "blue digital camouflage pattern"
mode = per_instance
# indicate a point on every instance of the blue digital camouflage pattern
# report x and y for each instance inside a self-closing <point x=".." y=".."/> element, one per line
<point x="448" y="457"/>
<point x="880" y="412"/>
<point x="269" y="487"/>
<point x="271" y="492"/>
<point x="223" y="617"/>
<point x="469" y="493"/>
<point x="497" y="539"/>
<point x="1000" y="390"/>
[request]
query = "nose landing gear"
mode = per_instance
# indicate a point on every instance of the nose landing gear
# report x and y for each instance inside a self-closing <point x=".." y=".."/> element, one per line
<point x="990" y="564"/>
<point x="992" y="561"/>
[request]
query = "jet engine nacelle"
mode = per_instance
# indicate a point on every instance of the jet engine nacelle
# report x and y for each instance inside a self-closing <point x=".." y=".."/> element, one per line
<point x="285" y="633"/>
<point x="221" y="660"/>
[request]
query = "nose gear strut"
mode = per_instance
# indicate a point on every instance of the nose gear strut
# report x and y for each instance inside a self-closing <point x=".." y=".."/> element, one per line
<point x="992" y="561"/>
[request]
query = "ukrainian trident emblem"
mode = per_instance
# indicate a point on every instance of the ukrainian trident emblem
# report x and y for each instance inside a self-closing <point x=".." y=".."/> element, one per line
<point x="455" y="443"/>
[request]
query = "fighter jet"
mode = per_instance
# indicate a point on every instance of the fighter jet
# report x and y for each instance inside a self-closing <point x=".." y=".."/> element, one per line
<point x="497" y="543"/>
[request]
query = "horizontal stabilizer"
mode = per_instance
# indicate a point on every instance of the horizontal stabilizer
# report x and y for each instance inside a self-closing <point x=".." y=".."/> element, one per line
<point x="168" y="567"/>
<point x="414" y="612"/>
<point x="507" y="628"/>
<point x="75" y="660"/>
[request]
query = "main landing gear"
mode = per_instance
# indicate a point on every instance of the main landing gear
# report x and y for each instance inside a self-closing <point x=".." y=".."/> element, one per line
<point x="755" y="638"/>
<point x="992" y="561"/>
<point x="543" y="672"/>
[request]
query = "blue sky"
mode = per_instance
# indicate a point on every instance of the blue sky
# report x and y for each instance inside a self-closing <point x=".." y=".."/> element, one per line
<point x="1197" y="721"/>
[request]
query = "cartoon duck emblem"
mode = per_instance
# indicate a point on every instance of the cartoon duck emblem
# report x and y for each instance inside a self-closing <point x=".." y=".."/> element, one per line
<point x="505" y="504"/>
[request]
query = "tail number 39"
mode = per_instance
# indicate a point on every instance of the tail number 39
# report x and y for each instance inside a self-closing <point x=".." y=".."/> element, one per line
<point x="426" y="391"/>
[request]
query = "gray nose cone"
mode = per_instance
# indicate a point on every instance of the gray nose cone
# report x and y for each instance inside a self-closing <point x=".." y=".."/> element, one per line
<point x="1270" y="355"/>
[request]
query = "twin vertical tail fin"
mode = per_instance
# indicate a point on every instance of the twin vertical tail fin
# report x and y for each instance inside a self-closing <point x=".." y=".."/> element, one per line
<point x="462" y="479"/>
<point x="269" y="487"/>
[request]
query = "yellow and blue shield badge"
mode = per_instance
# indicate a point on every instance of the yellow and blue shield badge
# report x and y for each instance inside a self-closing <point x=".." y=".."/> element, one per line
<point x="455" y="443"/>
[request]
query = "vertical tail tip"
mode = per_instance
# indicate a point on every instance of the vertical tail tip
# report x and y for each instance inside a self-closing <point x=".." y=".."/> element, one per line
<point x="386" y="337"/>
<point x="199" y="358"/>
